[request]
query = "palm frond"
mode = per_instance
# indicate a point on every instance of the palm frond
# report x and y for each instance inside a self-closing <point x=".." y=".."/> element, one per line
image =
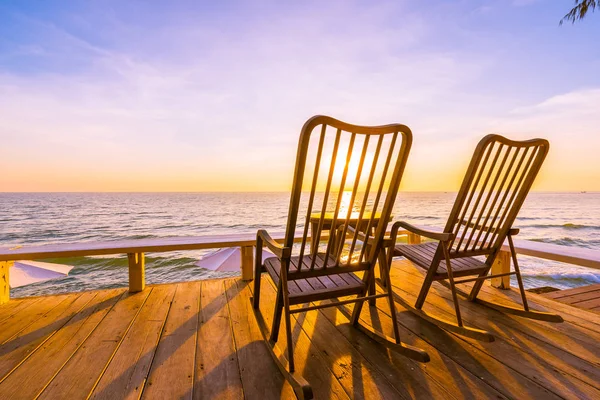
<point x="580" y="10"/>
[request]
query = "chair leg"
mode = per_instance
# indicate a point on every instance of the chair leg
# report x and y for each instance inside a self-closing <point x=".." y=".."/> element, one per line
<point x="372" y="291"/>
<point x="277" y="315"/>
<point x="387" y="264"/>
<point x="423" y="293"/>
<point x="452" y="286"/>
<point x="256" y="294"/>
<point x="388" y="286"/>
<point x="477" y="286"/>
<point x="358" y="305"/>
<point x="518" y="272"/>
<point x="288" y="326"/>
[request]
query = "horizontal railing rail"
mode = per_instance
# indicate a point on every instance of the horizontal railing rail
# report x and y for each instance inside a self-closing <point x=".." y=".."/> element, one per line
<point x="581" y="256"/>
<point x="136" y="248"/>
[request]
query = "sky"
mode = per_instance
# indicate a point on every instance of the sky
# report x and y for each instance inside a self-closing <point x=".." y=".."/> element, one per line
<point x="211" y="95"/>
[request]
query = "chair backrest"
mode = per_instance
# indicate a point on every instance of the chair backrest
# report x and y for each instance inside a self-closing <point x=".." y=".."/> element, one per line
<point x="495" y="186"/>
<point x="346" y="175"/>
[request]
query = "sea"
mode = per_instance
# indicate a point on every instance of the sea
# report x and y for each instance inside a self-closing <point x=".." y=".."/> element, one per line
<point x="568" y="219"/>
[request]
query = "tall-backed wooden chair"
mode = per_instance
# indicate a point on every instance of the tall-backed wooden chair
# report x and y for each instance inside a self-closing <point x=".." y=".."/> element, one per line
<point x="347" y="177"/>
<point x="494" y="188"/>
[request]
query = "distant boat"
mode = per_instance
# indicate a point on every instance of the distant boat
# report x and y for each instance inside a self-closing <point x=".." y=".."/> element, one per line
<point x="583" y="191"/>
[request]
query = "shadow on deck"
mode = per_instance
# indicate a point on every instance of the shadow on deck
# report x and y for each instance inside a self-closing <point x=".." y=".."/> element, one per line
<point x="200" y="340"/>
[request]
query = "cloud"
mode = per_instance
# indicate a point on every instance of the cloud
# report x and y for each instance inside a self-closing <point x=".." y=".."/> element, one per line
<point x="571" y="122"/>
<point x="184" y="99"/>
<point x="206" y="100"/>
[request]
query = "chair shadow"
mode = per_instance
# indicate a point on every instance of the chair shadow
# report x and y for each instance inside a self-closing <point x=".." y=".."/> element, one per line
<point x="62" y="323"/>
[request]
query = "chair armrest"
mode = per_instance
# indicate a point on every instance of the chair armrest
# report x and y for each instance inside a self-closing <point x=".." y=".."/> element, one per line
<point x="263" y="237"/>
<point x="441" y="236"/>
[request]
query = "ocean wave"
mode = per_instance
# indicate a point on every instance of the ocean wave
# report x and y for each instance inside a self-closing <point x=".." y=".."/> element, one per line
<point x="560" y="280"/>
<point x="569" y="226"/>
<point x="569" y="241"/>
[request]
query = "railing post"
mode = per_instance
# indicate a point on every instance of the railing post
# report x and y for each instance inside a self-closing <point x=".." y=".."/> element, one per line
<point x="501" y="266"/>
<point x="137" y="272"/>
<point x="413" y="238"/>
<point x="4" y="281"/>
<point x="247" y="263"/>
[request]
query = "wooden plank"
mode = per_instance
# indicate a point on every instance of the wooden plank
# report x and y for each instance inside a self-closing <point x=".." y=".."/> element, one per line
<point x="441" y="374"/>
<point x="172" y="372"/>
<point x="592" y="303"/>
<point x="79" y="375"/>
<point x="578" y="298"/>
<point x="126" y="374"/>
<point x="217" y="373"/>
<point x="30" y="378"/>
<point x="552" y="333"/>
<point x="571" y="255"/>
<point x="133" y="246"/>
<point x="408" y="377"/>
<point x="16" y="306"/>
<point x="534" y="359"/>
<point x="16" y="350"/>
<point x="570" y="292"/>
<point x="308" y="357"/>
<point x="261" y="378"/>
<point x="511" y="383"/>
<point x="556" y="352"/>
<point x="20" y="321"/>
<point x="578" y="317"/>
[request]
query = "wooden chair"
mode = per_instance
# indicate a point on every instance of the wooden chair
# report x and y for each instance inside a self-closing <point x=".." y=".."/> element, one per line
<point x="361" y="168"/>
<point x="494" y="188"/>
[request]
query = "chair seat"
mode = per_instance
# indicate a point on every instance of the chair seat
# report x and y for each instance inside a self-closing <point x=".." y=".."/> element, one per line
<point x="324" y="286"/>
<point x="422" y="255"/>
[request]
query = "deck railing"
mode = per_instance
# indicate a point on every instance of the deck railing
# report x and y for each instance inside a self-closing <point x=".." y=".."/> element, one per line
<point x="136" y="248"/>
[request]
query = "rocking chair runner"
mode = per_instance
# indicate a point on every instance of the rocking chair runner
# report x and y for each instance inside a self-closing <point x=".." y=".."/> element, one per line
<point x="495" y="186"/>
<point x="362" y="167"/>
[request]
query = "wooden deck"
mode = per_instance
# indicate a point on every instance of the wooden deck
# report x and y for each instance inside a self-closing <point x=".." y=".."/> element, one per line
<point x="586" y="297"/>
<point x="200" y="340"/>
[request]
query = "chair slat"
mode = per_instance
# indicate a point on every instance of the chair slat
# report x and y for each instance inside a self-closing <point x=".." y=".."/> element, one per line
<point x="495" y="205"/>
<point x="327" y="189"/>
<point x="340" y="194"/>
<point x="313" y="189"/>
<point x="363" y="155"/>
<point x="485" y="210"/>
<point x="465" y="207"/>
<point x="481" y="192"/>
<point x="518" y="195"/>
<point x="365" y="198"/>
<point x="378" y="197"/>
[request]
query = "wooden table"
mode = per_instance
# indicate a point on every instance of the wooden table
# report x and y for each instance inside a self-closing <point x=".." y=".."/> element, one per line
<point x="328" y="221"/>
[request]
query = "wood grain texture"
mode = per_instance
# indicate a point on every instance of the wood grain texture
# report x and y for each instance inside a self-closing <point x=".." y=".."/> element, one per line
<point x="109" y="344"/>
<point x="90" y="360"/>
<point x="17" y="349"/>
<point x="172" y="372"/>
<point x="32" y="376"/>
<point x="125" y="376"/>
<point x="260" y="376"/>
<point x="585" y="297"/>
<point x="217" y="373"/>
